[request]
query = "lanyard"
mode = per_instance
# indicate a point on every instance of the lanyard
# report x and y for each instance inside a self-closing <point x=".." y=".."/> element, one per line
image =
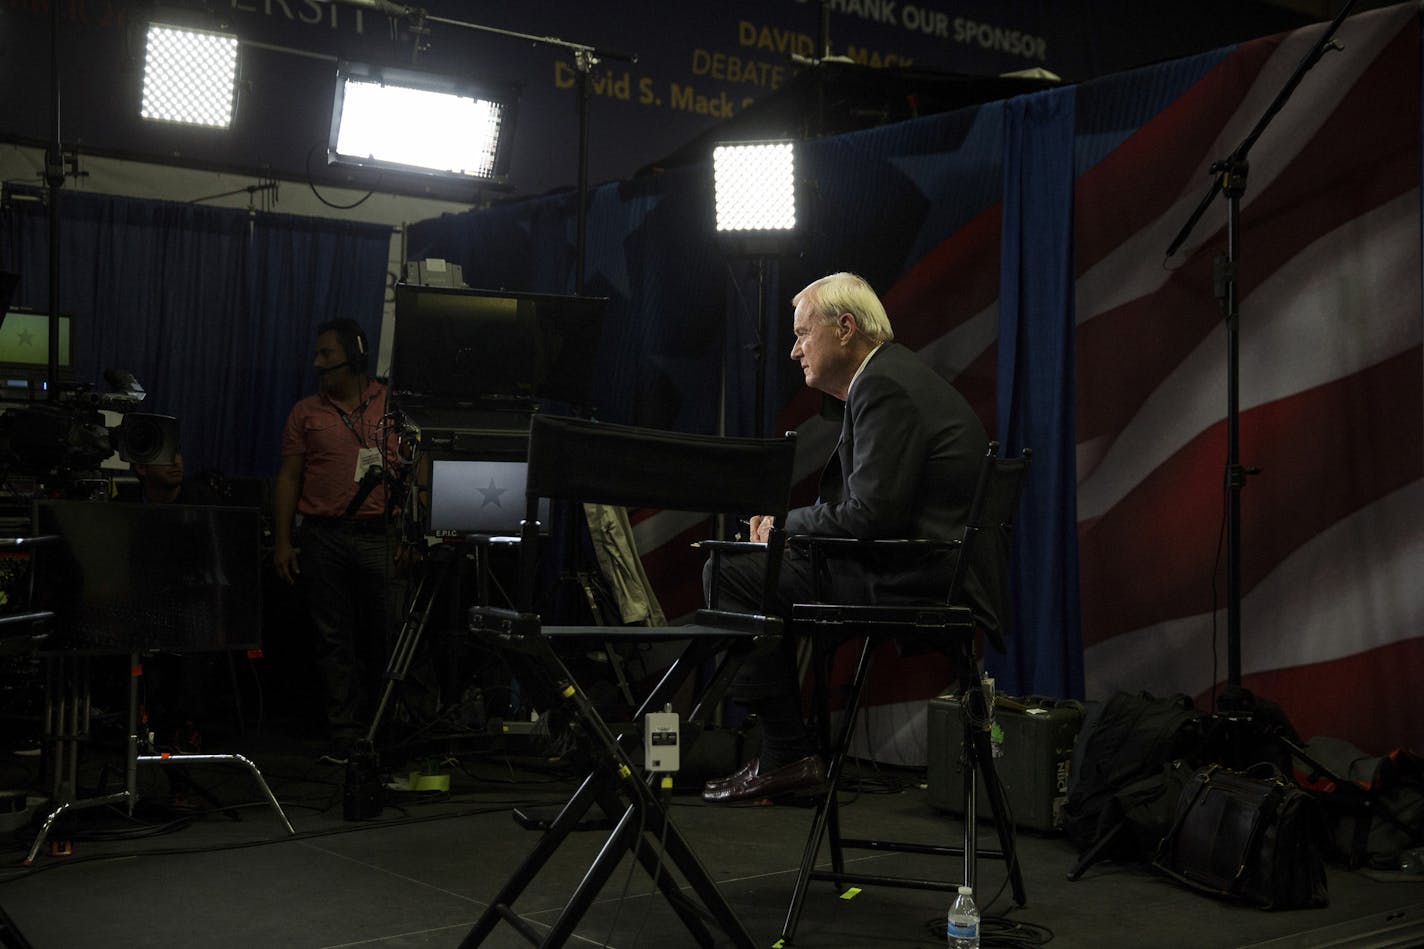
<point x="350" y="425"/>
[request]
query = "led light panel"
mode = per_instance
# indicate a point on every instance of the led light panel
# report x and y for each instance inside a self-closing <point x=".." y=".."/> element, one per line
<point x="189" y="76"/>
<point x="440" y="132"/>
<point x="755" y="186"/>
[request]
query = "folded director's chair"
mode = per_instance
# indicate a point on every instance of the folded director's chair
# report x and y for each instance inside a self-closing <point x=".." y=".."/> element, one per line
<point x="581" y="460"/>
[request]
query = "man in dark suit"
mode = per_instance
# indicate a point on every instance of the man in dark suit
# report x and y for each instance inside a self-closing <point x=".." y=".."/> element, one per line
<point x="906" y="466"/>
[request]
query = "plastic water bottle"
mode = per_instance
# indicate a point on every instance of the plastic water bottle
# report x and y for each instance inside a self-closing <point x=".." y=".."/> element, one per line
<point x="964" y="921"/>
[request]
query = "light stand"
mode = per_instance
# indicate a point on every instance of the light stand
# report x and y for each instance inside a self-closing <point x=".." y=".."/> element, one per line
<point x="1230" y="179"/>
<point x="760" y="348"/>
<point x="754" y="185"/>
<point x="54" y="181"/>
<point x="585" y="58"/>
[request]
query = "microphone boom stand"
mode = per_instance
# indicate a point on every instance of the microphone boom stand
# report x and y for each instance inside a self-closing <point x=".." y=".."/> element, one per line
<point x="1230" y="179"/>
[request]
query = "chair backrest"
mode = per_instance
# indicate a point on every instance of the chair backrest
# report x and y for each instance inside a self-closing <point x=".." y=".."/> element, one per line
<point x="991" y="518"/>
<point x="573" y="459"/>
<point x="577" y="459"/>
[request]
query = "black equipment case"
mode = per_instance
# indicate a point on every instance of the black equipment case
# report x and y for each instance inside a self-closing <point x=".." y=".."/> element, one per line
<point x="1037" y="746"/>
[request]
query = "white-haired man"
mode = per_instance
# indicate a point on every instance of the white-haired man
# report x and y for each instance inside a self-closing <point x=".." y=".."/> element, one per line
<point x="905" y="466"/>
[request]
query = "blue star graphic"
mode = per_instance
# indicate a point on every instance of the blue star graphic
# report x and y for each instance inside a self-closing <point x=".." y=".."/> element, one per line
<point x="608" y="230"/>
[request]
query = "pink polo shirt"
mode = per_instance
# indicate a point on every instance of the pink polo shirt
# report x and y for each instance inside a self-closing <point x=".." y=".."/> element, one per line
<point x="329" y="442"/>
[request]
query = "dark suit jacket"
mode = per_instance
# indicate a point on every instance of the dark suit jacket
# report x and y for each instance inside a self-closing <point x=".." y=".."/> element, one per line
<point x="906" y="466"/>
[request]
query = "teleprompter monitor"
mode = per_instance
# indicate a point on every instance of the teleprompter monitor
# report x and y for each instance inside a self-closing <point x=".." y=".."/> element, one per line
<point x="131" y="577"/>
<point x="459" y="345"/>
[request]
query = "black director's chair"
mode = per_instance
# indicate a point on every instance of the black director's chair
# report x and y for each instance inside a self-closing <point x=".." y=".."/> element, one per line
<point x="579" y="460"/>
<point x="945" y="624"/>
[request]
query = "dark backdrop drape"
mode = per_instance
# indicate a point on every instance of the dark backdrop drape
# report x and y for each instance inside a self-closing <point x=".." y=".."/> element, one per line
<point x="213" y="310"/>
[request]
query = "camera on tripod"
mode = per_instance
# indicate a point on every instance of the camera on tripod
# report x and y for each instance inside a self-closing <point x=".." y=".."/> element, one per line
<point x="69" y="434"/>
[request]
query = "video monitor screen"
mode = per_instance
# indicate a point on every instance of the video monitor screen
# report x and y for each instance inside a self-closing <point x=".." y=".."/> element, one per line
<point x="458" y="345"/>
<point x="24" y="344"/>
<point x="130" y="577"/>
<point x="480" y="496"/>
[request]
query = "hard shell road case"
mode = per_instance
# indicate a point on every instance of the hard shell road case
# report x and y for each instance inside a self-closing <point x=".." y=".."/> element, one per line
<point x="1037" y="747"/>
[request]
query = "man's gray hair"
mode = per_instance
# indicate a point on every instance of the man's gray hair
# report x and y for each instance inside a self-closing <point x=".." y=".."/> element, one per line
<point x="840" y="293"/>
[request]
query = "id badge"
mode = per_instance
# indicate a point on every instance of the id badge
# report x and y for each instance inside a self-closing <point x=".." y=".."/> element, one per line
<point x="366" y="459"/>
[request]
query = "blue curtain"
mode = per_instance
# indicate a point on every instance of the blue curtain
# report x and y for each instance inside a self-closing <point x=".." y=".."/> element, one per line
<point x="1035" y="391"/>
<point x="303" y="271"/>
<point x="212" y="309"/>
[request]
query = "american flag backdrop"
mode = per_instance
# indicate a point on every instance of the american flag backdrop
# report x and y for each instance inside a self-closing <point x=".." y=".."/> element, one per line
<point x="1330" y="401"/>
<point x="1020" y="248"/>
<point x="1330" y="332"/>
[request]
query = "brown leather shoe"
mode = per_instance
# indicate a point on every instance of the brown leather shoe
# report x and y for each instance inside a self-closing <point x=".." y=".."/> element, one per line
<point x="746" y="771"/>
<point x="800" y="778"/>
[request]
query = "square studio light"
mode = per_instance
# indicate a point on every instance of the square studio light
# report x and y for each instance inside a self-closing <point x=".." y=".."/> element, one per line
<point x="189" y="76"/>
<point x="755" y="186"/>
<point x="407" y="120"/>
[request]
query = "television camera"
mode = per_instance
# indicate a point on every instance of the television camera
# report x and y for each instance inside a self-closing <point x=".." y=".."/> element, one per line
<point x="69" y="434"/>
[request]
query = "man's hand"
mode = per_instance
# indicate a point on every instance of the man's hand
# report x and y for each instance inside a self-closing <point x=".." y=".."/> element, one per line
<point x="759" y="528"/>
<point x="285" y="558"/>
<point x="285" y="491"/>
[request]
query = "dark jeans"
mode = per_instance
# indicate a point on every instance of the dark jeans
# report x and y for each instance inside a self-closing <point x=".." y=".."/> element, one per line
<point x="354" y="603"/>
<point x="767" y="682"/>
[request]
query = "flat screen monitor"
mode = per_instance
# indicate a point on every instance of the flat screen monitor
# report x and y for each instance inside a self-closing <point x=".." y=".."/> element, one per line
<point x="459" y="345"/>
<point x="131" y="577"/>
<point x="24" y="344"/>
<point x="480" y="496"/>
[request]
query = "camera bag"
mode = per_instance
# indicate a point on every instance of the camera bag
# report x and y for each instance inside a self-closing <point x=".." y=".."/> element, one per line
<point x="1247" y="838"/>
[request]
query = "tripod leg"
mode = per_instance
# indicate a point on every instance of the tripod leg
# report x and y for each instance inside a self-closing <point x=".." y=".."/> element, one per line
<point x="982" y="759"/>
<point x="979" y="758"/>
<point x="422" y="604"/>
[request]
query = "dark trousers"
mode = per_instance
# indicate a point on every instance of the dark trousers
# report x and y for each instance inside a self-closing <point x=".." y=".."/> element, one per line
<point x="767" y="682"/>
<point x="354" y="603"/>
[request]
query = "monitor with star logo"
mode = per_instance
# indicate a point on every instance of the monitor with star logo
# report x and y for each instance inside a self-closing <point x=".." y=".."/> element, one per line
<point x="472" y="496"/>
<point x="24" y="345"/>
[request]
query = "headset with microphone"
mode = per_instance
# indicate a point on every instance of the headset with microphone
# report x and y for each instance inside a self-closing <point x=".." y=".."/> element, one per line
<point x="353" y="343"/>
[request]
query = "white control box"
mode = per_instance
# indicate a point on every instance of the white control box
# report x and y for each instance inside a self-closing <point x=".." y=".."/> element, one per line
<point x="661" y="748"/>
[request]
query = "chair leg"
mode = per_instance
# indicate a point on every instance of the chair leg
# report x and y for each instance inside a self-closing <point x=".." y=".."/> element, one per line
<point x="549" y="842"/>
<point x="827" y="820"/>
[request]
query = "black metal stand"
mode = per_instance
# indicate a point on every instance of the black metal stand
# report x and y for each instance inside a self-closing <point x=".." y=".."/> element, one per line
<point x="585" y="58"/>
<point x="67" y="705"/>
<point x="1230" y="176"/>
<point x="643" y="827"/>
<point x="437" y="570"/>
<point x="759" y="426"/>
<point x="440" y="569"/>
<point x="977" y="750"/>
<point x="54" y="181"/>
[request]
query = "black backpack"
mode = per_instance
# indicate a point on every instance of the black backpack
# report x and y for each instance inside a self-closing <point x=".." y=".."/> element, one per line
<point x="1127" y="770"/>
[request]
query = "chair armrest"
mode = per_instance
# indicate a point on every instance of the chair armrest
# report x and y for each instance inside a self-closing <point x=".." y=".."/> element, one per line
<point x="847" y="544"/>
<point x="728" y="545"/>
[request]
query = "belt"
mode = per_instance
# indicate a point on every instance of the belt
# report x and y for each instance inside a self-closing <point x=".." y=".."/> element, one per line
<point x="371" y="525"/>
